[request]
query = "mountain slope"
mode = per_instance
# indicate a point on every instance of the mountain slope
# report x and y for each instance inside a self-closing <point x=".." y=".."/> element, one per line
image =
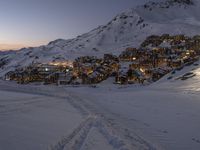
<point x="127" y="29"/>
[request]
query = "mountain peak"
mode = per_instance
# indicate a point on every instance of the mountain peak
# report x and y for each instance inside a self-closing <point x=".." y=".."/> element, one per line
<point x="186" y="2"/>
<point x="168" y="4"/>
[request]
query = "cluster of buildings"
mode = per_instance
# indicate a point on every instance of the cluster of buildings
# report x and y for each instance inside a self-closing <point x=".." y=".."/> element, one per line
<point x="94" y="70"/>
<point x="157" y="56"/>
<point x="54" y="72"/>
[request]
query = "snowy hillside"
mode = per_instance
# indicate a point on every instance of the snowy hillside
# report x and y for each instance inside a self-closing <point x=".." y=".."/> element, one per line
<point x="127" y="29"/>
<point x="187" y="79"/>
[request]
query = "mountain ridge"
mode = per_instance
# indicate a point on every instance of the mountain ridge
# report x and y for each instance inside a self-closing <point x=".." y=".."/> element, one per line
<point x="127" y="29"/>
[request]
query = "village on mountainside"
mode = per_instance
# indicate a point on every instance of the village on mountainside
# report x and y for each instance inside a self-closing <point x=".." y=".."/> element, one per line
<point x="157" y="56"/>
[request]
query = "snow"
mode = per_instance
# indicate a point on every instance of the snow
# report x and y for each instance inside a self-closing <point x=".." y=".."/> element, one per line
<point x="164" y="115"/>
<point x="169" y="120"/>
<point x="96" y="140"/>
<point x="33" y="121"/>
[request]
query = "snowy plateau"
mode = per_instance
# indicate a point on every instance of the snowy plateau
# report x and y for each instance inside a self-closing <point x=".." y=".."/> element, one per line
<point x="159" y="116"/>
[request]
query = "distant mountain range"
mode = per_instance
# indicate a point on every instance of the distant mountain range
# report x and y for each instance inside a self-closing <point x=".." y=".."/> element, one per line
<point x="127" y="29"/>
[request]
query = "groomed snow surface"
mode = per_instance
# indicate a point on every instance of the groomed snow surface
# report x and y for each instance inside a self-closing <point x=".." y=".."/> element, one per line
<point x="164" y="115"/>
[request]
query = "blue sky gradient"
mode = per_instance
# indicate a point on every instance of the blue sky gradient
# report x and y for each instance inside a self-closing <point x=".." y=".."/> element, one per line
<point x="36" y="22"/>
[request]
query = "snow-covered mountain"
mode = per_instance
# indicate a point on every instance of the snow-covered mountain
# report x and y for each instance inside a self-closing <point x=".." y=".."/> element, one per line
<point x="128" y="28"/>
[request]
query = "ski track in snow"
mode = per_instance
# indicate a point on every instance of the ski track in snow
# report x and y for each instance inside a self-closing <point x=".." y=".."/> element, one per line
<point x="76" y="139"/>
<point x="118" y="137"/>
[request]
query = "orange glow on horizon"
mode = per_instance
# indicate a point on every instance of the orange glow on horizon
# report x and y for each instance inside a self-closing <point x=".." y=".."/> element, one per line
<point x="4" y="47"/>
<point x="7" y="46"/>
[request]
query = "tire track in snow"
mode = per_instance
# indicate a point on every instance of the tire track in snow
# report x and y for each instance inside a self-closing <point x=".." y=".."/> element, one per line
<point x="111" y="133"/>
<point x="76" y="139"/>
<point x="72" y="142"/>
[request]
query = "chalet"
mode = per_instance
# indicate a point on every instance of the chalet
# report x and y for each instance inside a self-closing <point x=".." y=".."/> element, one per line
<point x="121" y="78"/>
<point x="114" y="67"/>
<point x="87" y="59"/>
<point x="111" y="58"/>
<point x="134" y="65"/>
<point x="64" y="78"/>
<point x="46" y="69"/>
<point x="162" y="60"/>
<point x="135" y="76"/>
<point x="52" y="78"/>
<point x="10" y="76"/>
<point x="130" y="54"/>
<point x="151" y="40"/>
<point x="93" y="78"/>
<point x="23" y="77"/>
<point x="165" y="37"/>
<point x="175" y="63"/>
<point x="180" y="37"/>
<point x="59" y="78"/>
<point x="96" y="77"/>
<point x="158" y="73"/>
<point x="87" y="68"/>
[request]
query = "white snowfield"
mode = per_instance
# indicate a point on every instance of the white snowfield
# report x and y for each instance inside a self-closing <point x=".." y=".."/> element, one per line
<point x="164" y="115"/>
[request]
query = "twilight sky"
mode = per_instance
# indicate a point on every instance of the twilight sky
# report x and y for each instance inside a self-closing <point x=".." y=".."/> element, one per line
<point x="36" y="22"/>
